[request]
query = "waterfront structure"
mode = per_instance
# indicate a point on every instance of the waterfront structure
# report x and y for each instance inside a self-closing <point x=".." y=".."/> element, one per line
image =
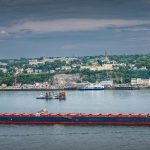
<point x="140" y="81"/>
<point x="92" y="86"/>
<point x="107" y="83"/>
<point x="4" y="85"/>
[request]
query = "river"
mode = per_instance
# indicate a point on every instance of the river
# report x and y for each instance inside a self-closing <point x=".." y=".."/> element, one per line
<point x="66" y="137"/>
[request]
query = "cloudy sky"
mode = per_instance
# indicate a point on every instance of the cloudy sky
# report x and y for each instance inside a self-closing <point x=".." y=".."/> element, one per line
<point x="34" y="28"/>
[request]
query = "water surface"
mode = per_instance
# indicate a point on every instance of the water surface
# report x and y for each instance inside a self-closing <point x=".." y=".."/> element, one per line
<point x="66" y="137"/>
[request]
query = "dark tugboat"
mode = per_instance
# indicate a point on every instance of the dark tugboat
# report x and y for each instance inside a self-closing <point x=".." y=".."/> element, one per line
<point x="53" y="95"/>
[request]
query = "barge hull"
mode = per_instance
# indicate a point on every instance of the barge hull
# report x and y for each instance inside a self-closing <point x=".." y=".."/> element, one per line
<point x="80" y="123"/>
<point x="89" y="119"/>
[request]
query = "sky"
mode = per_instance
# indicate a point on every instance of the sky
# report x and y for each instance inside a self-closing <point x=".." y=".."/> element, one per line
<point x="36" y="28"/>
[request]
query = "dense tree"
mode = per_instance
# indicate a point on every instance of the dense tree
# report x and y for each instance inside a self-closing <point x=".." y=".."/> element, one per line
<point x="32" y="78"/>
<point x="121" y="75"/>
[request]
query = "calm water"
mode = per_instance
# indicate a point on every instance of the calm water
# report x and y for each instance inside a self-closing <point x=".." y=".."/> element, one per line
<point x="66" y="137"/>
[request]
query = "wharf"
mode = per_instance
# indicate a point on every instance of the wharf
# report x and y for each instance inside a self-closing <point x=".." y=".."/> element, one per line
<point x="67" y="89"/>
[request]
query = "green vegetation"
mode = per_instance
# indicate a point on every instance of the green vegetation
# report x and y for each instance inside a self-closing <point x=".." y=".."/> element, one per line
<point x="24" y="78"/>
<point x="6" y="78"/>
<point x="135" y="66"/>
<point x="32" y="78"/>
<point x="50" y="65"/>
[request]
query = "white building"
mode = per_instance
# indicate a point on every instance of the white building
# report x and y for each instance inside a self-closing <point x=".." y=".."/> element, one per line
<point x="4" y="70"/>
<point x="29" y="70"/>
<point x="140" y="81"/>
<point x="38" y="71"/>
<point x="98" y="67"/>
<point x="143" y="68"/>
<point x="65" y="67"/>
<point x="18" y="70"/>
<point x="3" y="64"/>
<point x="52" y="71"/>
<point x="35" y="62"/>
<point x="107" y="83"/>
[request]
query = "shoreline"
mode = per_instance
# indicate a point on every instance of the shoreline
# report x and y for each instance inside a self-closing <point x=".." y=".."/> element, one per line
<point x="73" y="89"/>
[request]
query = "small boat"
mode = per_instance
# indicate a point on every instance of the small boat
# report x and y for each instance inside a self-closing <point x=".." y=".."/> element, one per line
<point x="92" y="87"/>
<point x="61" y="95"/>
<point x="44" y="110"/>
<point x="51" y="97"/>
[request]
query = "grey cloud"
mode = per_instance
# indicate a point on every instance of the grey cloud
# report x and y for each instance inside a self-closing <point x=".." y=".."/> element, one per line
<point x="12" y="11"/>
<point x="53" y="27"/>
<point x="67" y="25"/>
<point x="133" y="29"/>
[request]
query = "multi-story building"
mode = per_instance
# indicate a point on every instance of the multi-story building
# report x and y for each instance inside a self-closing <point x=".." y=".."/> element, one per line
<point x="139" y="81"/>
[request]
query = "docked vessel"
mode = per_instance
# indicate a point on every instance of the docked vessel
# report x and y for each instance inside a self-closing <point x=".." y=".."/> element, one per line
<point x="92" y="87"/>
<point x="126" y="87"/>
<point x="74" y="118"/>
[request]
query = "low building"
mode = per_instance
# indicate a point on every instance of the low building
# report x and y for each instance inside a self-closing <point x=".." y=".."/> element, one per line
<point x="74" y="65"/>
<point x="18" y="70"/>
<point x="35" y="62"/>
<point x="3" y="64"/>
<point x="140" y="81"/>
<point x="4" y="85"/>
<point x="4" y="70"/>
<point x="98" y="67"/>
<point x="66" y="68"/>
<point x="107" y="83"/>
<point x="29" y="70"/>
<point x="38" y="71"/>
<point x="52" y="71"/>
<point x="57" y="69"/>
<point x="143" y="68"/>
<point x="119" y="64"/>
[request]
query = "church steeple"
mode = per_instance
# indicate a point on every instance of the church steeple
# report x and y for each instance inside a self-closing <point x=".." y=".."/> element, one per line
<point x="106" y="57"/>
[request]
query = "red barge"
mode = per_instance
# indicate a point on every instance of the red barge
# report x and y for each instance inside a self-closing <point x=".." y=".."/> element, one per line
<point x="74" y="118"/>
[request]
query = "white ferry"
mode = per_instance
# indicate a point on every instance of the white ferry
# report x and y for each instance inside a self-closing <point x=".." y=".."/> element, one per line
<point x="93" y="86"/>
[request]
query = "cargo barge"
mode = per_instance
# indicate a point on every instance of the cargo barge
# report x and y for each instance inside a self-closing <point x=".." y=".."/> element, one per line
<point x="74" y="118"/>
